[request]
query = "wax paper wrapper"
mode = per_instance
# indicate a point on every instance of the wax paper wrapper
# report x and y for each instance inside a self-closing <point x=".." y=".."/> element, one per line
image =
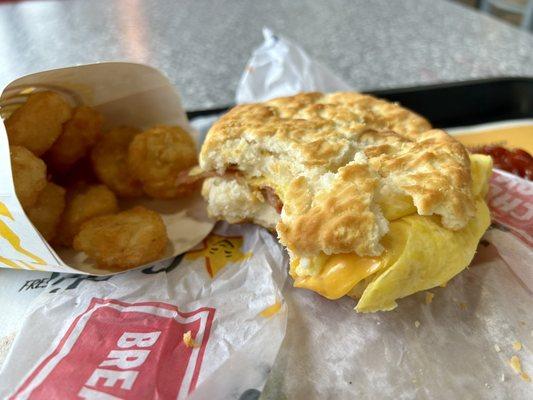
<point x="123" y="335"/>
<point x="126" y="94"/>
<point x="456" y="344"/>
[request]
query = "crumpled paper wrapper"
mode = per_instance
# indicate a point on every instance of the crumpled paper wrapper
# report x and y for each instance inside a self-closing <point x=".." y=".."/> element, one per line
<point x="123" y="335"/>
<point x="441" y="349"/>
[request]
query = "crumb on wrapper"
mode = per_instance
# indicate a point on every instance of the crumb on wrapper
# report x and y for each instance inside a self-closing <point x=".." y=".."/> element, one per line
<point x="515" y="364"/>
<point x="189" y="341"/>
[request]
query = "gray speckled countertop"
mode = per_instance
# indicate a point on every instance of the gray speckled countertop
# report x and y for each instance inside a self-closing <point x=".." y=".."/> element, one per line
<point x="203" y="45"/>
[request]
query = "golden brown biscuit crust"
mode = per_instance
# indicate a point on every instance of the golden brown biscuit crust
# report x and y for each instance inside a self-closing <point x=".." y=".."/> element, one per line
<point x="324" y="222"/>
<point x="331" y="156"/>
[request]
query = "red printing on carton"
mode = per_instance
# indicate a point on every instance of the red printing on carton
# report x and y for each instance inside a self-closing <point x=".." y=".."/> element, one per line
<point x="118" y="350"/>
<point x="511" y="203"/>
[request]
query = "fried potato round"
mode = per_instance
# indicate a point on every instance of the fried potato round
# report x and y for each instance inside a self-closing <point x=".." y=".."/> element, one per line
<point x="124" y="240"/>
<point x="157" y="156"/>
<point x="80" y="133"/>
<point x="45" y="214"/>
<point x="38" y="123"/>
<point x="109" y="158"/>
<point x="29" y="175"/>
<point x="84" y="203"/>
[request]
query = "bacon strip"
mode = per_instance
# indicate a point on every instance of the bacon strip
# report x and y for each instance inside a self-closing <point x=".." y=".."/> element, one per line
<point x="186" y="178"/>
<point x="272" y="198"/>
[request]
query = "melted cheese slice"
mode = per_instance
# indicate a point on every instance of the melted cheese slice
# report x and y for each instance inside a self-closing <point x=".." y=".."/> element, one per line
<point x="338" y="275"/>
<point x="419" y="254"/>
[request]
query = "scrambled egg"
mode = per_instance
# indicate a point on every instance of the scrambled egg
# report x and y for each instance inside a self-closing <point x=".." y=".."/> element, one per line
<point x="419" y="254"/>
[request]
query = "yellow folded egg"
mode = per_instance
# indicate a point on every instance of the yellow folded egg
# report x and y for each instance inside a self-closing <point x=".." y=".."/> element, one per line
<point x="481" y="170"/>
<point x="431" y="255"/>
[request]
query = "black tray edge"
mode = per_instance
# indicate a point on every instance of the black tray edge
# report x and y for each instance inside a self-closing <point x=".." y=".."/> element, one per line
<point x="453" y="104"/>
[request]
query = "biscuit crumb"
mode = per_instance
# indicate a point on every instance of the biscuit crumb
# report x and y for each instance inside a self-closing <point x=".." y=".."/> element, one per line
<point x="515" y="364"/>
<point x="517" y="346"/>
<point x="271" y="310"/>
<point x="5" y="345"/>
<point x="417" y="324"/>
<point x="189" y="341"/>
<point x="429" y="297"/>
<point x="497" y="348"/>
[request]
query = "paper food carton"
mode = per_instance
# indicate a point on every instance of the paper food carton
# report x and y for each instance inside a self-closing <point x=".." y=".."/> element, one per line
<point x="125" y="94"/>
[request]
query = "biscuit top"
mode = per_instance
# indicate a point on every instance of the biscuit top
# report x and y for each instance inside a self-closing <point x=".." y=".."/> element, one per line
<point x="344" y="165"/>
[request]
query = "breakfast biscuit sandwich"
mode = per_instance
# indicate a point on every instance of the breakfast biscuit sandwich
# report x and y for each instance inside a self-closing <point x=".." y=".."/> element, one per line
<point x="368" y="199"/>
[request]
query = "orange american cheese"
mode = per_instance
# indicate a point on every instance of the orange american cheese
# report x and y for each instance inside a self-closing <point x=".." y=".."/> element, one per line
<point x="339" y="274"/>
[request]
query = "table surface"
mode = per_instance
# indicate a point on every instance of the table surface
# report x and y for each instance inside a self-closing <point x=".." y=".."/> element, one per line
<point x="203" y="46"/>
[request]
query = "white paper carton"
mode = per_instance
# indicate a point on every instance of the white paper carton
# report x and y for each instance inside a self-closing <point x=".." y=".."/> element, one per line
<point x="126" y="94"/>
